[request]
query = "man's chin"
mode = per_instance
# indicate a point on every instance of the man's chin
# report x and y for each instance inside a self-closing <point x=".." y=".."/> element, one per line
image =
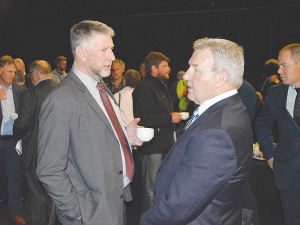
<point x="103" y="75"/>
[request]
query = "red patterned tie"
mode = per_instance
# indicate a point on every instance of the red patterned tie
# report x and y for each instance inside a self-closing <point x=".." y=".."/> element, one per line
<point x="121" y="136"/>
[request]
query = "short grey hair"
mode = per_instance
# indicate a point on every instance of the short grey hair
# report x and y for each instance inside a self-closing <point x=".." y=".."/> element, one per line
<point x="84" y="30"/>
<point x="228" y="56"/>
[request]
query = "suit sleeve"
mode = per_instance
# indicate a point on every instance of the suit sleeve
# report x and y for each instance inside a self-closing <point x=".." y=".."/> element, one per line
<point x="24" y="123"/>
<point x="53" y="154"/>
<point x="263" y="127"/>
<point x="145" y="106"/>
<point x="208" y="163"/>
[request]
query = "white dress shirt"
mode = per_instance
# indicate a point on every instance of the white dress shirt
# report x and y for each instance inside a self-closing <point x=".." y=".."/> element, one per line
<point x="290" y="100"/>
<point x="91" y="84"/>
<point x="208" y="103"/>
<point x="8" y="107"/>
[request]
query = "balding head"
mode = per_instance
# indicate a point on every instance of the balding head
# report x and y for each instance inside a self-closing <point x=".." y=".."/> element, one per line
<point x="40" y="69"/>
<point x="20" y="64"/>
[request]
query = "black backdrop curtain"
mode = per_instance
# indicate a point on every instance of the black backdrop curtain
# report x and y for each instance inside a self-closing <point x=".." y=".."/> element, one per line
<point x="262" y="32"/>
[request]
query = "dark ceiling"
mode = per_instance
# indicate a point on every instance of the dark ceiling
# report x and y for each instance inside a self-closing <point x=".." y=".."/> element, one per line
<point x="43" y="11"/>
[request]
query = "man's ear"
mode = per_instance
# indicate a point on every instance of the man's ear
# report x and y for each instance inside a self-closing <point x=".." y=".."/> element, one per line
<point x="154" y="70"/>
<point x="222" y="78"/>
<point x="81" y="53"/>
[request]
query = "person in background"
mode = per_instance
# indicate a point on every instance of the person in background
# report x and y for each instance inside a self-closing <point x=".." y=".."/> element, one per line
<point x="26" y="127"/>
<point x="142" y="71"/>
<point x="173" y="91"/>
<point x="152" y="103"/>
<point x="270" y="79"/>
<point x="124" y="97"/>
<point x="9" y="95"/>
<point x="19" y="78"/>
<point x="117" y="69"/>
<point x="182" y="90"/>
<point x="203" y="177"/>
<point x="60" y="72"/>
<point x="21" y="66"/>
<point x="282" y="105"/>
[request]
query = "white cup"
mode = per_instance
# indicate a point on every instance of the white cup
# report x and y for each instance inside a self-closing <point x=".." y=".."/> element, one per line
<point x="185" y="115"/>
<point x="14" y="116"/>
<point x="144" y="134"/>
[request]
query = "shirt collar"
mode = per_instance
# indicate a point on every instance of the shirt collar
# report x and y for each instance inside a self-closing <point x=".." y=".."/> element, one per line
<point x="208" y="103"/>
<point x="85" y="79"/>
<point x="9" y="87"/>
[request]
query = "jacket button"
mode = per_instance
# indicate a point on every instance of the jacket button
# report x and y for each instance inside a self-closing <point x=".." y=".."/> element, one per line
<point x="122" y="196"/>
<point x="121" y="172"/>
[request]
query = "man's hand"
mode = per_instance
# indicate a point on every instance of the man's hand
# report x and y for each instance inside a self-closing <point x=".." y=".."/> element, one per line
<point x="131" y="132"/>
<point x="260" y="97"/>
<point x="270" y="162"/>
<point x="3" y="94"/>
<point x="176" y="117"/>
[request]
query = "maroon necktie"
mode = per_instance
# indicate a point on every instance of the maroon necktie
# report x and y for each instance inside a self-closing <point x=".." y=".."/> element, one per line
<point x="121" y="136"/>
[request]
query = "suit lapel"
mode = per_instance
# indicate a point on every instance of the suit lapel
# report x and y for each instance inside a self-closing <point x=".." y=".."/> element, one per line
<point x="90" y="99"/>
<point x="280" y="103"/>
<point x="15" y="96"/>
<point x="217" y="106"/>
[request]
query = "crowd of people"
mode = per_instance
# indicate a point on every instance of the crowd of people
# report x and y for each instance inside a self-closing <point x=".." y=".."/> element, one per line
<point x="75" y="134"/>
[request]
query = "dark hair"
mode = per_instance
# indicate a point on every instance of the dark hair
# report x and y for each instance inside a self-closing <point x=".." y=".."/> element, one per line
<point x="59" y="59"/>
<point x="271" y="67"/>
<point x="132" y="78"/>
<point x="154" y="58"/>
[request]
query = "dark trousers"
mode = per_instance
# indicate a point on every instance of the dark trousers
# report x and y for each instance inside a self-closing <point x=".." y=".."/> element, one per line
<point x="12" y="163"/>
<point x="251" y="204"/>
<point x="290" y="201"/>
<point x="38" y="199"/>
<point x="150" y="165"/>
<point x="3" y="179"/>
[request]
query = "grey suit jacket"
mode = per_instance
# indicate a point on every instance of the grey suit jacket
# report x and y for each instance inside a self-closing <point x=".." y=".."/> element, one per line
<point x="79" y="159"/>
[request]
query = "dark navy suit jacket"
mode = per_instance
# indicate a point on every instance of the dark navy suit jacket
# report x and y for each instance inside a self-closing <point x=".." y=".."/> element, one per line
<point x="286" y="164"/>
<point x="202" y="179"/>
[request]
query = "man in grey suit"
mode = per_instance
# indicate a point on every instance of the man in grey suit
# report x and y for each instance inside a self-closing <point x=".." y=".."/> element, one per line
<point x="84" y="156"/>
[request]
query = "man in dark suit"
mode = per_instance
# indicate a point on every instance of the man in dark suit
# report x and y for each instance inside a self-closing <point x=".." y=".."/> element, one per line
<point x="10" y="94"/>
<point x="152" y="103"/>
<point x="282" y="105"/>
<point x="202" y="179"/>
<point x="84" y="154"/>
<point x="27" y="125"/>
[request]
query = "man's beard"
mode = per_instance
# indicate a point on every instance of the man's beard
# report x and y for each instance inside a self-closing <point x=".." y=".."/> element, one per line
<point x="99" y="73"/>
